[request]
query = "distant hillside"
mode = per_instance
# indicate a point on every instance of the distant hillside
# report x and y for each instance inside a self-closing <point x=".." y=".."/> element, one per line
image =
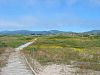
<point x="94" y="32"/>
<point x="26" y="32"/>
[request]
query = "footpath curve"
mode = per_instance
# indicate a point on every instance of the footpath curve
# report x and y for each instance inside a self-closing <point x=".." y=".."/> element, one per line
<point x="17" y="63"/>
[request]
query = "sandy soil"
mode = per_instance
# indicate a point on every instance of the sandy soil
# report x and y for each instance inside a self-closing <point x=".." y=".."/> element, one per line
<point x="16" y="64"/>
<point x="66" y="70"/>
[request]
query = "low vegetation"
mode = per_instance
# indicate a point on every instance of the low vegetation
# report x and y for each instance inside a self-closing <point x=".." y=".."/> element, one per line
<point x="14" y="41"/>
<point x="81" y="51"/>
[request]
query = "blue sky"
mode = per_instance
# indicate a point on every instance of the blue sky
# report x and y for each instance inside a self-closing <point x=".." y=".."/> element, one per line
<point x="65" y="15"/>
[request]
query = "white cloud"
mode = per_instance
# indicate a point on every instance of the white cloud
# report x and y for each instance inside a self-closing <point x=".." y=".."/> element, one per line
<point x="50" y="3"/>
<point x="25" y="22"/>
<point x="7" y="24"/>
<point x="35" y="2"/>
<point x="71" y="2"/>
<point x="30" y="22"/>
<point x="18" y="2"/>
<point x="95" y="2"/>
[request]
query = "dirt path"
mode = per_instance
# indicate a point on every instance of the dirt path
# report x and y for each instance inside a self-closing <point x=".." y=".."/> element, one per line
<point x="15" y="66"/>
<point x="16" y="63"/>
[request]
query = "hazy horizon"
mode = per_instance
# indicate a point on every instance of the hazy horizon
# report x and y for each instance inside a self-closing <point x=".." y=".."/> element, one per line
<point x="46" y="30"/>
<point x="44" y="15"/>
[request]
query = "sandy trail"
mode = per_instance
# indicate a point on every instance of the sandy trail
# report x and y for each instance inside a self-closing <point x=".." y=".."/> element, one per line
<point x="15" y="66"/>
<point x="16" y="63"/>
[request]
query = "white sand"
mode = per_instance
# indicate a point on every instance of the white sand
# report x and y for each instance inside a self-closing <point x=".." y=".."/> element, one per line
<point x="66" y="70"/>
<point x="16" y="63"/>
<point x="15" y="66"/>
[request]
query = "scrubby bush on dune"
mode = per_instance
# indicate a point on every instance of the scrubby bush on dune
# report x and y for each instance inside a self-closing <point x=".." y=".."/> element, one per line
<point x="64" y="49"/>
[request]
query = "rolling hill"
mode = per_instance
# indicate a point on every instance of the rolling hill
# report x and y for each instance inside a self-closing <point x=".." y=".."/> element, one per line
<point x="94" y="32"/>
<point x="26" y="32"/>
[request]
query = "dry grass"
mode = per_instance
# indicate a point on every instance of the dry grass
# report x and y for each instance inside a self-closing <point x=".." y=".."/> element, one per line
<point x="14" y="41"/>
<point x="4" y="55"/>
<point x="63" y="49"/>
